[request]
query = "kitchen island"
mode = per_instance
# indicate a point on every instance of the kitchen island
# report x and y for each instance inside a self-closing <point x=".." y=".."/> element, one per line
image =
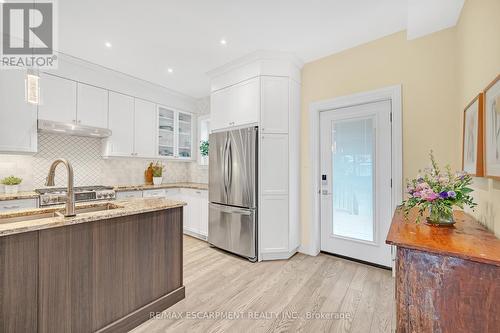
<point x="104" y="270"/>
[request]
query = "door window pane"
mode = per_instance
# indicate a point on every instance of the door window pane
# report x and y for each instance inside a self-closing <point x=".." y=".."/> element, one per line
<point x="352" y="166"/>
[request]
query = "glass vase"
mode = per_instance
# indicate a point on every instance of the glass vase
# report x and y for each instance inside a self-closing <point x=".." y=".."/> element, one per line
<point x="440" y="217"/>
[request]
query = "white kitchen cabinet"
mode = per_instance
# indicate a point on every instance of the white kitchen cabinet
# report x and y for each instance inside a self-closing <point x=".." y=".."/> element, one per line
<point x="144" y="128"/>
<point x="57" y="99"/>
<point x="274" y="224"/>
<point x="275" y="103"/>
<point x="274" y="153"/>
<point x="121" y="124"/>
<point x="236" y="105"/>
<point x="184" y="135"/>
<point x="14" y="205"/>
<point x="18" y="119"/>
<point x="159" y="193"/>
<point x="195" y="212"/>
<point x="175" y="134"/>
<point x="92" y="106"/>
<point x="264" y="89"/>
<point x="128" y="194"/>
<point x="204" y="213"/>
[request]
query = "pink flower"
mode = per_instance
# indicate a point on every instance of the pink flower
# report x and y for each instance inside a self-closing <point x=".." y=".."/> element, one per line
<point x="429" y="195"/>
<point x="422" y="187"/>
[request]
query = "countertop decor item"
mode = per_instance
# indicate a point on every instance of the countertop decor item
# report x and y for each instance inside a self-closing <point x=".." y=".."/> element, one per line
<point x="437" y="192"/>
<point x="158" y="168"/>
<point x="11" y="184"/>
<point x="148" y="174"/>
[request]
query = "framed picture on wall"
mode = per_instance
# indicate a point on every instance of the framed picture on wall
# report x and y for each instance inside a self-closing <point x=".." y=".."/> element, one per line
<point x="492" y="128"/>
<point x="472" y="147"/>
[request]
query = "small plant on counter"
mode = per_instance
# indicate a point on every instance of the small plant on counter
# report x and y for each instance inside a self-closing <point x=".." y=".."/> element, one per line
<point x="11" y="184"/>
<point x="158" y="169"/>
<point x="11" y="180"/>
<point x="438" y="192"/>
<point x="204" y="148"/>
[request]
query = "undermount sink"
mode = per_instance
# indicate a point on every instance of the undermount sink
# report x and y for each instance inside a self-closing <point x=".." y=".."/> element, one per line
<point x="30" y="216"/>
<point x="99" y="208"/>
<point x="20" y="217"/>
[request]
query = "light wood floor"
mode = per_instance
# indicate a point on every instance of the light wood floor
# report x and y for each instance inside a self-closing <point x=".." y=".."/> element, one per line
<point x="281" y="294"/>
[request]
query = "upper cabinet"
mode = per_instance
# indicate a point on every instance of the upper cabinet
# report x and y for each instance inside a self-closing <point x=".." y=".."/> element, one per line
<point x="275" y="104"/>
<point x="70" y="102"/>
<point x="92" y="106"/>
<point x="18" y="119"/>
<point x="144" y="128"/>
<point x="121" y="124"/>
<point x="185" y="135"/>
<point x="175" y="134"/>
<point x="166" y="132"/>
<point x="57" y="99"/>
<point x="236" y="105"/>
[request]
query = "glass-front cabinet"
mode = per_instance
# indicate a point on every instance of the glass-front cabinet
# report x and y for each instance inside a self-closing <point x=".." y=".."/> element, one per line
<point x="175" y="133"/>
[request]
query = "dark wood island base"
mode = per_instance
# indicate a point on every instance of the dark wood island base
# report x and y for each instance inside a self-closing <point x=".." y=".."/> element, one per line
<point x="101" y="276"/>
<point x="447" y="279"/>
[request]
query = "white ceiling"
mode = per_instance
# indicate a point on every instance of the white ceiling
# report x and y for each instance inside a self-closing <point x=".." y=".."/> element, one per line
<point x="428" y="16"/>
<point x="148" y="37"/>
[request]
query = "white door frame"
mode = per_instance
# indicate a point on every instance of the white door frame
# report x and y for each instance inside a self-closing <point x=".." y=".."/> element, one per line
<point x="392" y="93"/>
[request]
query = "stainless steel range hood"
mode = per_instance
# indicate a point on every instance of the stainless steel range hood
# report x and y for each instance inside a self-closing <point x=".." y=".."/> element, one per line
<point x="72" y="129"/>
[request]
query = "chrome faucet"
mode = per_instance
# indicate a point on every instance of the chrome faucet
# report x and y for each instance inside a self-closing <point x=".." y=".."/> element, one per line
<point x="70" y="194"/>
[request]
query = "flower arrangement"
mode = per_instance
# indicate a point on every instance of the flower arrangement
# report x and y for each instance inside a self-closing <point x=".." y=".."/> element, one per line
<point x="439" y="191"/>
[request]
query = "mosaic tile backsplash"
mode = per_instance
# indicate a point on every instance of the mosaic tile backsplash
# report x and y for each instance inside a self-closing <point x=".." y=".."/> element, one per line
<point x="89" y="166"/>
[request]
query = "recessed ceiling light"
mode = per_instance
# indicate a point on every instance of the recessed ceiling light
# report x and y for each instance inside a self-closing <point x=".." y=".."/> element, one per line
<point x="170" y="70"/>
<point x="223" y="42"/>
<point x="108" y="45"/>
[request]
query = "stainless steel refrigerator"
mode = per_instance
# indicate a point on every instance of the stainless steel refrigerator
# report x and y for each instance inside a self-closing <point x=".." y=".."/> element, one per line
<point x="232" y="223"/>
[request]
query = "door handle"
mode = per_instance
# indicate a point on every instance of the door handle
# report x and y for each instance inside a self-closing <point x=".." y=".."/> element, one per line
<point x="325" y="192"/>
<point x="229" y="165"/>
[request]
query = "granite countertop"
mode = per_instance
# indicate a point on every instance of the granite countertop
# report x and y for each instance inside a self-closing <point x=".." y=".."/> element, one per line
<point x="18" y="195"/>
<point x="119" y="188"/>
<point x="196" y="186"/>
<point x="13" y="223"/>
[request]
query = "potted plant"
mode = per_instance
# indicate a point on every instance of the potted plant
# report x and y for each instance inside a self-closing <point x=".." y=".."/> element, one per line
<point x="439" y="192"/>
<point x="11" y="184"/>
<point x="158" y="168"/>
<point x="204" y="151"/>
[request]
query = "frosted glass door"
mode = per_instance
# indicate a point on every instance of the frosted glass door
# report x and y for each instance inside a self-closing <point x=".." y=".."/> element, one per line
<point x="352" y="178"/>
<point x="355" y="185"/>
<point x="166" y="132"/>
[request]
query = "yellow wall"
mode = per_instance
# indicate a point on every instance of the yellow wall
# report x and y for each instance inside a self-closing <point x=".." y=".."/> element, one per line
<point x="434" y="71"/>
<point x="478" y="47"/>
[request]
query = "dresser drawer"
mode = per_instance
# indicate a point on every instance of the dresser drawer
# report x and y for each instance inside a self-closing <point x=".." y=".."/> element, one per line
<point x="13" y="205"/>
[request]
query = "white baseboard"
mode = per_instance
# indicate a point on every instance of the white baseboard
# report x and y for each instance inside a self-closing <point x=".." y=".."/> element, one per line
<point x="279" y="255"/>
<point x="194" y="234"/>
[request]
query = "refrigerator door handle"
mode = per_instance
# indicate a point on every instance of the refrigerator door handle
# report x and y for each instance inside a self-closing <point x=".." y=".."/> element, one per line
<point x="229" y="165"/>
<point x="224" y="167"/>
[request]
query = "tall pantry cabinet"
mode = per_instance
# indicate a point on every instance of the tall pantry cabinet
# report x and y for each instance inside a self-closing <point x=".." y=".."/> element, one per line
<point x="263" y="90"/>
